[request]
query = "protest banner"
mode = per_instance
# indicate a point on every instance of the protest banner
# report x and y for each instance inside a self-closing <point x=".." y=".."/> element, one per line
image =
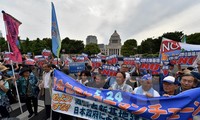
<point x="40" y="60"/>
<point x="87" y="109"/>
<point x="80" y="59"/>
<point x="46" y="53"/>
<point x="76" y="67"/>
<point x="96" y="62"/>
<point x="66" y="59"/>
<point x="99" y="55"/>
<point x="171" y="48"/>
<point x="112" y="59"/>
<point x="56" y="61"/>
<point x="6" y="57"/>
<point x="29" y="62"/>
<point x="185" y="58"/>
<point x="109" y="70"/>
<point x="129" y="61"/>
<point x="150" y="108"/>
<point x="151" y="64"/>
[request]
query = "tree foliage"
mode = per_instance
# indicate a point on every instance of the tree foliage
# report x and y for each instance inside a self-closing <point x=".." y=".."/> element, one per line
<point x="3" y="45"/>
<point x="149" y="47"/>
<point x="129" y="47"/>
<point x="72" y="46"/>
<point x="193" y="39"/>
<point x="152" y="45"/>
<point x="176" y="36"/>
<point x="91" y="49"/>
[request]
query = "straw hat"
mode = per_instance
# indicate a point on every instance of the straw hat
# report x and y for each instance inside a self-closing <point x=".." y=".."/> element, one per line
<point x="3" y="68"/>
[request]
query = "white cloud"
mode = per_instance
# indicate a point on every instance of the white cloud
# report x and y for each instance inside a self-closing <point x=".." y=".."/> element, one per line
<point x="79" y="18"/>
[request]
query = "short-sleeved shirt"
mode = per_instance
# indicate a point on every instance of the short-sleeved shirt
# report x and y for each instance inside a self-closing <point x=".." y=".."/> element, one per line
<point x="140" y="91"/>
<point x="123" y="87"/>
<point x="6" y="85"/>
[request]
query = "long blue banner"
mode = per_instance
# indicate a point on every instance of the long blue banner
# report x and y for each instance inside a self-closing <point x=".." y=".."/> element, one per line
<point x="182" y="106"/>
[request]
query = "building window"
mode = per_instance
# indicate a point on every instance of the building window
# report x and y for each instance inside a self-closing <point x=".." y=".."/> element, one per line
<point x="114" y="41"/>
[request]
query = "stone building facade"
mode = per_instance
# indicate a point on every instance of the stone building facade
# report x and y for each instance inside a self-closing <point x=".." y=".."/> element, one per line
<point x="114" y="46"/>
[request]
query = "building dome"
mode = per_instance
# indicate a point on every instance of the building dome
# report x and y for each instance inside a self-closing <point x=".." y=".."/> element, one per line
<point x="115" y="38"/>
<point x="115" y="34"/>
<point x="114" y="46"/>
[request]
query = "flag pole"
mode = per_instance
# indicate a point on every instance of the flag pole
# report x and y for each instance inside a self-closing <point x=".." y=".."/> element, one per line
<point x="13" y="71"/>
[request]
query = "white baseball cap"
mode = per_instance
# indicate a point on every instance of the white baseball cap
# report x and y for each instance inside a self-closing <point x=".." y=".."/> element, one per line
<point x="169" y="79"/>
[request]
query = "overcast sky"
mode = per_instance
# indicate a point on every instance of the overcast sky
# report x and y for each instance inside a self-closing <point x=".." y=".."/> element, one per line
<point x="137" y="19"/>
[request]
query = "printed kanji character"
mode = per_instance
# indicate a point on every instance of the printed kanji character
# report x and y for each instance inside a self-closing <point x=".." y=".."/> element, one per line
<point x="76" y="110"/>
<point x="125" y="115"/>
<point x="120" y="113"/>
<point x="132" y="117"/>
<point x="94" y="106"/>
<point x="82" y="111"/>
<point x="113" y="111"/>
<point x="89" y="113"/>
<point x="102" y="116"/>
<point x="115" y="118"/>
<point x="196" y="112"/>
<point x="140" y="111"/>
<point x="95" y="114"/>
<point x="103" y="108"/>
<point x="78" y="101"/>
<point x="155" y="109"/>
<point x="109" y="117"/>
<point x="85" y="103"/>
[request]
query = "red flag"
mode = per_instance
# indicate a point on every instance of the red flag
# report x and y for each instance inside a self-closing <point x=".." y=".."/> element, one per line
<point x="12" y="26"/>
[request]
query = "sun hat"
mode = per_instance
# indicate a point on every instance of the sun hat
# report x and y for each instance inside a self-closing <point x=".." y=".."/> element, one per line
<point x="3" y="68"/>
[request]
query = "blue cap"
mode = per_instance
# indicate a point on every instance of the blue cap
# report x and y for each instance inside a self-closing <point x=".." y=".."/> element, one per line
<point x="147" y="77"/>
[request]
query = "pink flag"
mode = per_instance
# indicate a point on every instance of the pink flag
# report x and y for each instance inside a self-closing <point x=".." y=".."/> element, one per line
<point x="12" y="26"/>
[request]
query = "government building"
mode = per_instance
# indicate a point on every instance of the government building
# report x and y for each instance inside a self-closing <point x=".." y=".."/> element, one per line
<point x="113" y="47"/>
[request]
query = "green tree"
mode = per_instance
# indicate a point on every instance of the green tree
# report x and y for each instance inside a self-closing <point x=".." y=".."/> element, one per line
<point x="193" y="39"/>
<point x="152" y="45"/>
<point x="129" y="47"/>
<point x="176" y="36"/>
<point x="72" y="46"/>
<point x="3" y="44"/>
<point x="147" y="46"/>
<point x="48" y="43"/>
<point x="26" y="46"/>
<point x="91" y="49"/>
<point x="37" y="46"/>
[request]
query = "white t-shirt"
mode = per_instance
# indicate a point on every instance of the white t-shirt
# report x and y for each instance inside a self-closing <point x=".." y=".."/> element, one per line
<point x="155" y="93"/>
<point x="46" y="77"/>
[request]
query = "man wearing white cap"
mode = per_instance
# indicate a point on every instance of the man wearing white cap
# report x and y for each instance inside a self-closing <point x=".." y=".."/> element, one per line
<point x="170" y="85"/>
<point x="146" y="87"/>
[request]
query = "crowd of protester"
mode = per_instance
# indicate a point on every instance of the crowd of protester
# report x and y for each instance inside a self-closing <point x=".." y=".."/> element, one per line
<point x="35" y="82"/>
